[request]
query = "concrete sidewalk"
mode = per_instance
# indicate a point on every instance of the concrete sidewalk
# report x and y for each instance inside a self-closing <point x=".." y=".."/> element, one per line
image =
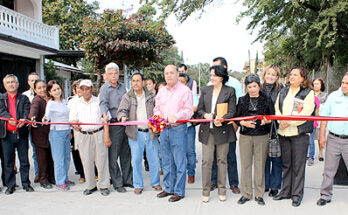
<point x="74" y="202"/>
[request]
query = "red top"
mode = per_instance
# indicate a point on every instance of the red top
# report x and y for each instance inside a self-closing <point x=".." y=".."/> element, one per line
<point x="12" y="110"/>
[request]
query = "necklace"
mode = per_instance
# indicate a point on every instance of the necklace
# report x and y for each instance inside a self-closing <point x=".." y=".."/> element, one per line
<point x="252" y="104"/>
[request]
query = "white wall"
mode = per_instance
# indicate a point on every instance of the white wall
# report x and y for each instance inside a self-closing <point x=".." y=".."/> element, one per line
<point x="30" y="8"/>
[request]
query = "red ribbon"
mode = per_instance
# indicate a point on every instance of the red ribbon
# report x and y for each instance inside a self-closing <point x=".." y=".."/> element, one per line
<point x="260" y="117"/>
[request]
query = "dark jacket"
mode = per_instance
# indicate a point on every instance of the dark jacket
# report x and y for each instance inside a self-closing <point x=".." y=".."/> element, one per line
<point x="224" y="133"/>
<point x="22" y="112"/>
<point x="128" y="109"/>
<point x="306" y="127"/>
<point x="264" y="106"/>
<point x="39" y="134"/>
<point x="269" y="90"/>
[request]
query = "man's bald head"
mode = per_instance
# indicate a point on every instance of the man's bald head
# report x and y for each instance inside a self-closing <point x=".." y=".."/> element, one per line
<point x="171" y="75"/>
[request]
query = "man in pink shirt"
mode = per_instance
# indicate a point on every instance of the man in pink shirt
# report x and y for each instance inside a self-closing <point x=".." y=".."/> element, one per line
<point x="174" y="102"/>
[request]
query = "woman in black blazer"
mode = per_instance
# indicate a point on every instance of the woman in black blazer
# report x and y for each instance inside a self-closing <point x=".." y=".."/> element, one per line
<point x="216" y="134"/>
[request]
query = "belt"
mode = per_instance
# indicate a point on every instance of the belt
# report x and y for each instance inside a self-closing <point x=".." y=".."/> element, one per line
<point x="174" y="125"/>
<point x="143" y="130"/>
<point x="92" y="132"/>
<point x="13" y="132"/>
<point x="339" y="136"/>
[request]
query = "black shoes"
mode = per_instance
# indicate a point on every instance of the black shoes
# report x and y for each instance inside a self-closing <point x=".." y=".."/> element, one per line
<point x="28" y="188"/>
<point x="87" y="192"/>
<point x="242" y="200"/>
<point x="9" y="191"/>
<point x="322" y="202"/>
<point x="104" y="191"/>
<point x="128" y="185"/>
<point x="296" y="201"/>
<point x="260" y="200"/>
<point x="273" y="193"/>
<point x="120" y="189"/>
<point x="46" y="185"/>
<point x="279" y="197"/>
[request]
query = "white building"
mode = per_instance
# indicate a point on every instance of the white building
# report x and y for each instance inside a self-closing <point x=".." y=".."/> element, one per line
<point x="24" y="39"/>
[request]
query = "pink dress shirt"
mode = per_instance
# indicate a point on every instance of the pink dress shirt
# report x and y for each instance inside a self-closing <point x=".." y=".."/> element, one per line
<point x="176" y="101"/>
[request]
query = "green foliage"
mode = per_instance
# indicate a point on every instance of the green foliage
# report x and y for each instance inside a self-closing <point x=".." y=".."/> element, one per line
<point x="68" y="15"/>
<point x="181" y="9"/>
<point x="50" y="73"/>
<point x="135" y="41"/>
<point x="193" y="71"/>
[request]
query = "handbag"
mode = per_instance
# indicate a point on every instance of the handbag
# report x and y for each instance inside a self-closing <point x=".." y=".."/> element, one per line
<point x="274" y="150"/>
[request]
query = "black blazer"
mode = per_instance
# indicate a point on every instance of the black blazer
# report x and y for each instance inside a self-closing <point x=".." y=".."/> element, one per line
<point x="224" y="133"/>
<point x="22" y="112"/>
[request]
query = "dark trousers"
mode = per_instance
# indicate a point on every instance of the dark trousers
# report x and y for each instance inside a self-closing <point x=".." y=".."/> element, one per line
<point x="9" y="144"/>
<point x="45" y="163"/>
<point x="120" y="148"/>
<point x="232" y="170"/>
<point x="76" y="157"/>
<point x="2" y="165"/>
<point x="273" y="173"/>
<point x="294" y="152"/>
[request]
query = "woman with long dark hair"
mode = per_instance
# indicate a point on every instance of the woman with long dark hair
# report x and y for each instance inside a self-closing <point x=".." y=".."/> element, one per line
<point x="40" y="136"/>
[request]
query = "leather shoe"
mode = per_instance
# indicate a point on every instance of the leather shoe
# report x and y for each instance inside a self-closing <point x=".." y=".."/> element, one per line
<point x="9" y="191"/>
<point x="138" y="191"/>
<point x="273" y="193"/>
<point x="164" y="194"/>
<point x="242" y="200"/>
<point x="128" y="185"/>
<point x="28" y="188"/>
<point x="191" y="179"/>
<point x="87" y="192"/>
<point x="322" y="202"/>
<point x="175" y="198"/>
<point x="235" y="189"/>
<point x="260" y="200"/>
<point x="157" y="187"/>
<point x="279" y="197"/>
<point x="46" y="185"/>
<point x="104" y="191"/>
<point x="212" y="187"/>
<point x="296" y="201"/>
<point x="120" y="189"/>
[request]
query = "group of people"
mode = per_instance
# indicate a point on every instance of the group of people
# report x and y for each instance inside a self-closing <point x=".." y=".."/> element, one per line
<point x="116" y="152"/>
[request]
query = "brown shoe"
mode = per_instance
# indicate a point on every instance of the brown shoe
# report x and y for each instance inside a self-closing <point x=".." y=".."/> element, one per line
<point x="175" y="198"/>
<point x="235" y="189"/>
<point x="164" y="194"/>
<point x="191" y="179"/>
<point x="161" y="172"/>
<point x="157" y="187"/>
<point x="138" y="191"/>
<point x="212" y="187"/>
<point x="82" y="180"/>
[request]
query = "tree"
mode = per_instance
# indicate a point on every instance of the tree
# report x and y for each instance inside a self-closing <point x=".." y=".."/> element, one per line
<point x="136" y="41"/>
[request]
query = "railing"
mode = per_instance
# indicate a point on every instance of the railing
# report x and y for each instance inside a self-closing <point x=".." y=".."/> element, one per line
<point x="25" y="28"/>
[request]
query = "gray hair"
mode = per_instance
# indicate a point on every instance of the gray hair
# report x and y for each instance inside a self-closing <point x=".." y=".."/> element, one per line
<point x="9" y="76"/>
<point x="112" y="66"/>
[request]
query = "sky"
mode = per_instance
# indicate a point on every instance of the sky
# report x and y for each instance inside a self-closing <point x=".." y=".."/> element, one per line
<point x="214" y="34"/>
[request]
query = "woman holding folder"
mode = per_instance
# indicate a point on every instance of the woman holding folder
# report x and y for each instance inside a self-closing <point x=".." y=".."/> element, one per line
<point x="253" y="140"/>
<point x="217" y="101"/>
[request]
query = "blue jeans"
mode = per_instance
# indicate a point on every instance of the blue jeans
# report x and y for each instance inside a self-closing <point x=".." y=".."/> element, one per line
<point x="60" y="147"/>
<point x="36" y="167"/>
<point x="137" y="149"/>
<point x="173" y="149"/>
<point x="232" y="170"/>
<point x="191" y="151"/>
<point x="311" y="147"/>
<point x="273" y="177"/>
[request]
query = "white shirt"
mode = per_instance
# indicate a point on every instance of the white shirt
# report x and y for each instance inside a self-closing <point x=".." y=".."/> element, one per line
<point x="87" y="112"/>
<point x="141" y="110"/>
<point x="30" y="94"/>
<point x="57" y="112"/>
<point x="73" y="101"/>
<point x="213" y="104"/>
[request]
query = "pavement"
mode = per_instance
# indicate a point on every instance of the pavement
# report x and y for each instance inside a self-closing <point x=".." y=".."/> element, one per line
<point x="74" y="202"/>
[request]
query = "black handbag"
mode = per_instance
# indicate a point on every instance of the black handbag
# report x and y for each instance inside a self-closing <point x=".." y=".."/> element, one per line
<point x="274" y="150"/>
